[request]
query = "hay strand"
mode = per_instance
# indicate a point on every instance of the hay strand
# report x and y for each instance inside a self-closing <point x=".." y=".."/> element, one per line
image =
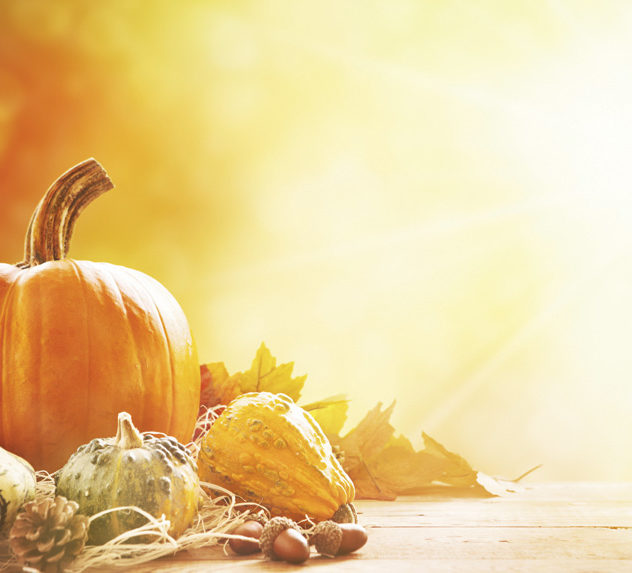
<point x="219" y="513"/>
<point x="216" y="517"/>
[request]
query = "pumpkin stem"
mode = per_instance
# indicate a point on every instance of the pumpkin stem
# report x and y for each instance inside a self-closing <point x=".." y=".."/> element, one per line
<point x="52" y="222"/>
<point x="127" y="436"/>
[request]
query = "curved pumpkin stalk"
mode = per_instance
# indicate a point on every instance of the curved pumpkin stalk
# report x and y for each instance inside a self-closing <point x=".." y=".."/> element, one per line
<point x="71" y="331"/>
<point x="50" y="229"/>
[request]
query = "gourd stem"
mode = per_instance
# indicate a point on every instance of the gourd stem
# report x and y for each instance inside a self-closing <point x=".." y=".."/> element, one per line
<point x="52" y="223"/>
<point x="127" y="436"/>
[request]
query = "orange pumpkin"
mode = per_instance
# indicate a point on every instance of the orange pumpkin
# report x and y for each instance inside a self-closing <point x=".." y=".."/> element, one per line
<point x="82" y="341"/>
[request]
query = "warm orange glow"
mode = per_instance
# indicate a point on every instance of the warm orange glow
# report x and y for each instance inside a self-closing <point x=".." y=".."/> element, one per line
<point x="414" y="200"/>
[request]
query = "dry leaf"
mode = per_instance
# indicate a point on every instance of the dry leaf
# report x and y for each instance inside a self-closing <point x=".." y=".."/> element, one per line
<point x="369" y="437"/>
<point x="218" y="387"/>
<point x="497" y="486"/>
<point x="265" y="376"/>
<point x="456" y="470"/>
<point x="330" y="413"/>
<point x="400" y="470"/>
<point x="383" y="466"/>
<point x="360" y="448"/>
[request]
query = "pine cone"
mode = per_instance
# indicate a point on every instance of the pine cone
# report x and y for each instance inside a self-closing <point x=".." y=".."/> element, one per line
<point x="48" y="534"/>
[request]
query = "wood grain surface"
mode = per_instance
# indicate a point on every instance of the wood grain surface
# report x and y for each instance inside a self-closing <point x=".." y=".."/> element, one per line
<point x="568" y="527"/>
<point x="546" y="528"/>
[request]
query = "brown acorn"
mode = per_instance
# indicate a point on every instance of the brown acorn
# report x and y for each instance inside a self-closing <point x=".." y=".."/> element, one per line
<point x="332" y="539"/>
<point x="283" y="540"/>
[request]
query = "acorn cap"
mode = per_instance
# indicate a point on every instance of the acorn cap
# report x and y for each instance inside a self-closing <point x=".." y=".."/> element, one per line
<point x="346" y="513"/>
<point x="326" y="537"/>
<point x="270" y="531"/>
<point x="259" y="517"/>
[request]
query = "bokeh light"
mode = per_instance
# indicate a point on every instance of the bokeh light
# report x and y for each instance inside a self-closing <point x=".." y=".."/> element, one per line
<point x="413" y="200"/>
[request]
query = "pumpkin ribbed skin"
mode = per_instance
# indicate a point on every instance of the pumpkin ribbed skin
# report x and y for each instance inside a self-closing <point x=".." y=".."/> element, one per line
<point x="151" y="472"/>
<point x="82" y="341"/>
<point x="268" y="450"/>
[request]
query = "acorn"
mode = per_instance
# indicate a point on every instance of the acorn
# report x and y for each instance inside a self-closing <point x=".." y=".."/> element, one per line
<point x="251" y="529"/>
<point x="346" y="513"/>
<point x="281" y="539"/>
<point x="332" y="539"/>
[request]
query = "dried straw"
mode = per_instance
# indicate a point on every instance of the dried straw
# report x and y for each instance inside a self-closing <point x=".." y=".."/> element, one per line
<point x="218" y="514"/>
<point x="215" y="519"/>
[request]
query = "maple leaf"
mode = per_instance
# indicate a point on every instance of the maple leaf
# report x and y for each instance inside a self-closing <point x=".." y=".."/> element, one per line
<point x="400" y="470"/>
<point x="330" y="413"/>
<point x="384" y="466"/>
<point x="370" y="436"/>
<point x="219" y="387"/>
<point x="265" y="376"/>
<point x="456" y="470"/>
<point x="359" y="448"/>
<point x="381" y="465"/>
<point x="498" y="486"/>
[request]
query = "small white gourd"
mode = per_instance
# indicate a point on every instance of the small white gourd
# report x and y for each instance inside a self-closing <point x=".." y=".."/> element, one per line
<point x="17" y="486"/>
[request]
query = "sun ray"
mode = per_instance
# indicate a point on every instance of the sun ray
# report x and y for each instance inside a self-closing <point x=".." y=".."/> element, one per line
<point x="566" y="18"/>
<point x="412" y="234"/>
<point x="410" y="77"/>
<point x="571" y="294"/>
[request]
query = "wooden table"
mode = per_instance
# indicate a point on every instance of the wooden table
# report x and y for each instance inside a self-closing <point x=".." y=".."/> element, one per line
<point x="555" y="527"/>
<point x="546" y="528"/>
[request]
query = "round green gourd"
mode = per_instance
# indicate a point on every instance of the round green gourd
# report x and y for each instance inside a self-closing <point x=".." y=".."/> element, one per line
<point x="156" y="474"/>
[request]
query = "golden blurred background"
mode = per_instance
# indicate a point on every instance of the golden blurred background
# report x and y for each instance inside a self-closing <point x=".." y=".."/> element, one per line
<point x="413" y="200"/>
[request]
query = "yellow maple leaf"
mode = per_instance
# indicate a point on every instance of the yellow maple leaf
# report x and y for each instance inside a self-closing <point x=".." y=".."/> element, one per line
<point x="456" y="471"/>
<point x="368" y="438"/>
<point x="218" y="387"/>
<point x="330" y="413"/>
<point x="265" y="376"/>
<point x="381" y="465"/>
<point x="384" y="466"/>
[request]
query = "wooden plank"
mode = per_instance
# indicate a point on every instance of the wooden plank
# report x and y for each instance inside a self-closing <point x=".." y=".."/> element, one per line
<point x="568" y="544"/>
<point x="601" y="505"/>
<point x="499" y="543"/>
<point x="404" y="566"/>
<point x="498" y="513"/>
<point x="546" y="528"/>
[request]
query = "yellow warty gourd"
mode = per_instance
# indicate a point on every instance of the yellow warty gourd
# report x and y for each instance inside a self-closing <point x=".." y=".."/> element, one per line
<point x="268" y="450"/>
